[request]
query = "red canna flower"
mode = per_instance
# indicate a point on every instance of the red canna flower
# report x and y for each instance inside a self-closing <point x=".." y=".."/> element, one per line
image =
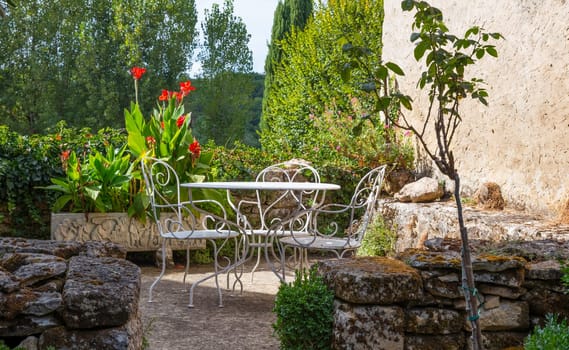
<point x="181" y="121"/>
<point x="137" y="72"/>
<point x="162" y="124"/>
<point x="179" y="96"/>
<point x="195" y="148"/>
<point x="186" y="87"/>
<point x="165" y="96"/>
<point x="150" y="140"/>
<point x="65" y="155"/>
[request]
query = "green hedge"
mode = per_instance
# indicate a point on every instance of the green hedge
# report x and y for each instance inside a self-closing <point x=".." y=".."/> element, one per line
<point x="29" y="162"/>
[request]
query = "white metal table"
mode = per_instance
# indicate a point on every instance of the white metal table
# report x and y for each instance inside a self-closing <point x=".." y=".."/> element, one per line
<point x="296" y="189"/>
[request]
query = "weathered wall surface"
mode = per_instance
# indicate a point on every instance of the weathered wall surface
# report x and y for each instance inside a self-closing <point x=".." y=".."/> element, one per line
<point x="521" y="140"/>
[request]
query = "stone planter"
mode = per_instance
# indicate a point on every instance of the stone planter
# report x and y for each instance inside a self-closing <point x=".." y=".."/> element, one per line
<point x="118" y="228"/>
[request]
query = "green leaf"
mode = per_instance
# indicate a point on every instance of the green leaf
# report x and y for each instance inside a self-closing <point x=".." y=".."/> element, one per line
<point x="415" y="36"/>
<point x="406" y="102"/>
<point x="492" y="51"/>
<point x="60" y="203"/>
<point x="420" y="50"/>
<point x="394" y="68"/>
<point x="479" y="53"/>
<point x="407" y="5"/>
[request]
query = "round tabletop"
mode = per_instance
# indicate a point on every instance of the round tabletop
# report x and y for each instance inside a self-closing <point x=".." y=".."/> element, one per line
<point x="268" y="186"/>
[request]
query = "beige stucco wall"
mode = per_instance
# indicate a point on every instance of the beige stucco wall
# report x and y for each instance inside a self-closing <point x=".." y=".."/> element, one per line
<point x="521" y="140"/>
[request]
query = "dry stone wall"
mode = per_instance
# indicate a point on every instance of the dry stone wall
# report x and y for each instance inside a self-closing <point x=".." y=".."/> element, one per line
<point x="416" y="301"/>
<point x="520" y="140"/>
<point x="68" y="295"/>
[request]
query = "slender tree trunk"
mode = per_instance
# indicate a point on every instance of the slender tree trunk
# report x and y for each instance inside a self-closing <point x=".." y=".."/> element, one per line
<point x="469" y="288"/>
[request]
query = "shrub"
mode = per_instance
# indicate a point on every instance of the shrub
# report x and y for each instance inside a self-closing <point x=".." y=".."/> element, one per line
<point x="304" y="310"/>
<point x="554" y="335"/>
<point x="379" y="239"/>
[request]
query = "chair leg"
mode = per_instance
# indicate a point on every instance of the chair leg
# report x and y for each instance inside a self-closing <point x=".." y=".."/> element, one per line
<point x="187" y="269"/>
<point x="161" y="272"/>
<point x="281" y="259"/>
<point x="257" y="241"/>
<point x="238" y="263"/>
<point x="215" y="275"/>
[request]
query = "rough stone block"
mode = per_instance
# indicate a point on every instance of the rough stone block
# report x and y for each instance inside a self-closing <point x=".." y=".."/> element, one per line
<point x="433" y="321"/>
<point x="100" y="292"/>
<point x="372" y="280"/>
<point x="373" y="327"/>
<point x="509" y="316"/>
<point x="435" y="342"/>
<point x="125" y="337"/>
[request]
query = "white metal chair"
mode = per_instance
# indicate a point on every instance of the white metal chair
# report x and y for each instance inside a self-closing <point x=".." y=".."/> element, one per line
<point x="178" y="217"/>
<point x="270" y="208"/>
<point x="325" y="221"/>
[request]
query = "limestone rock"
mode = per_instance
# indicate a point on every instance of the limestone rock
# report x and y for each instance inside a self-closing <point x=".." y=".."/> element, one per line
<point x="100" y="292"/>
<point x="36" y="272"/>
<point x="509" y="316"/>
<point x="425" y="189"/>
<point x="126" y="337"/>
<point x="501" y="340"/>
<point x="43" y="304"/>
<point x="27" y="325"/>
<point x="433" y="321"/>
<point x="30" y="343"/>
<point x="544" y="270"/>
<point x="511" y="278"/>
<point x="371" y="280"/>
<point x="543" y="301"/>
<point x="8" y="282"/>
<point x="435" y="342"/>
<point x="368" y="327"/>
<point x="501" y="291"/>
<point x="62" y="249"/>
<point x="489" y="196"/>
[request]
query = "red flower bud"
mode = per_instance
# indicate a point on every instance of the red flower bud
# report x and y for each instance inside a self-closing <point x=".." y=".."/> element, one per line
<point x="181" y="121"/>
<point x="195" y="148"/>
<point x="137" y="72"/>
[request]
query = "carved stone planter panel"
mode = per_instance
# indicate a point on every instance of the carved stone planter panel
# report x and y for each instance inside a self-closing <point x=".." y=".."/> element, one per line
<point x="118" y="228"/>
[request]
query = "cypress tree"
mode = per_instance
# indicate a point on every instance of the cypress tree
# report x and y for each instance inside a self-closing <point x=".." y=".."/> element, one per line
<point x="287" y="14"/>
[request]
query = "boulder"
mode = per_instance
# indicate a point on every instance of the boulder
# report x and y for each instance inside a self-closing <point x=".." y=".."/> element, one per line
<point x="425" y="189"/>
<point x="489" y="196"/>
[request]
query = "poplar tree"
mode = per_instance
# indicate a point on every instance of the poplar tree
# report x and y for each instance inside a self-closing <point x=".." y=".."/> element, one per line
<point x="227" y="65"/>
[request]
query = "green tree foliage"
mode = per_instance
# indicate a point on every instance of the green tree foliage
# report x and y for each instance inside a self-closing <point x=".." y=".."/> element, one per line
<point x="308" y="80"/>
<point x="69" y="59"/>
<point x="287" y="14"/>
<point x="226" y="63"/>
<point x="4" y="5"/>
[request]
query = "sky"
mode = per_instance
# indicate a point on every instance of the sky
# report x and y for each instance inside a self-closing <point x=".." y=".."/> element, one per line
<point x="257" y="16"/>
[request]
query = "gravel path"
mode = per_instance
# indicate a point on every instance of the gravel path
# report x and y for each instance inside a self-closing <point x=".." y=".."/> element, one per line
<point x="243" y="323"/>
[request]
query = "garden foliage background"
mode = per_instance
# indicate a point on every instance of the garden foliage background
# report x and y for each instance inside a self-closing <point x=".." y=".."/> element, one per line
<point x="65" y="88"/>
